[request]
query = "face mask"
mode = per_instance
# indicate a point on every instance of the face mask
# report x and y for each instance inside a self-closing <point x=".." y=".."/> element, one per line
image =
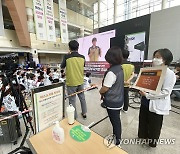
<point x="157" y="62"/>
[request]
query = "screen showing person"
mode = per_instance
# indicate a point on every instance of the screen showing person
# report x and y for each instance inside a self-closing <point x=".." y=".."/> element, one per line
<point x="94" y="51"/>
<point x="94" y="47"/>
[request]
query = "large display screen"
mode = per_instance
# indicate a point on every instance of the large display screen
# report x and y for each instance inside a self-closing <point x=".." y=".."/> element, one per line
<point x="135" y="43"/>
<point x="94" y="47"/>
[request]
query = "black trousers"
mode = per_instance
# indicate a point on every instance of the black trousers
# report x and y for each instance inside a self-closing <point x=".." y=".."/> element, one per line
<point x="126" y="98"/>
<point x="150" y="125"/>
<point x="114" y="116"/>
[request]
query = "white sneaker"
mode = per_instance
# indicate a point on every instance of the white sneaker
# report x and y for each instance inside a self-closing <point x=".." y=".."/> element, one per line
<point x="119" y="146"/>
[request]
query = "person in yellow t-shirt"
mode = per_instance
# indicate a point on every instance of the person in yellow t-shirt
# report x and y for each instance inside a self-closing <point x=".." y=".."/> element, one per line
<point x="128" y="70"/>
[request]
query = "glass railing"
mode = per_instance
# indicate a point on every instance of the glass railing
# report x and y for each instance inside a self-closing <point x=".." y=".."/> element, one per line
<point x="80" y="8"/>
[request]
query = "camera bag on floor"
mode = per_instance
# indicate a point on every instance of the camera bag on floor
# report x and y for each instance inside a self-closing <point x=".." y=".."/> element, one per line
<point x="9" y="129"/>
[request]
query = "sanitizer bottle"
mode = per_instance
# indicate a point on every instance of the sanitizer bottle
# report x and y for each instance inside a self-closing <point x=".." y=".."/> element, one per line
<point x="58" y="133"/>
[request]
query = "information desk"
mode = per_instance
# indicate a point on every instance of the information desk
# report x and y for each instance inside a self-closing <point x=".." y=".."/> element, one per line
<point x="43" y="143"/>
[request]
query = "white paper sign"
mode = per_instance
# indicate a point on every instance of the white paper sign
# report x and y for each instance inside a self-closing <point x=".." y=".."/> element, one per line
<point x="39" y="19"/>
<point x="48" y="107"/>
<point x="63" y="21"/>
<point x="49" y="15"/>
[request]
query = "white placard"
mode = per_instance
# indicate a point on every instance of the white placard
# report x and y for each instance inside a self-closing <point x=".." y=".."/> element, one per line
<point x="63" y="21"/>
<point x="39" y="19"/>
<point x="1" y="21"/>
<point x="48" y="107"/>
<point x="49" y="16"/>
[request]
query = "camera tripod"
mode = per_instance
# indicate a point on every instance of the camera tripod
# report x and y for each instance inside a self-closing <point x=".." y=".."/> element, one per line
<point x="16" y="91"/>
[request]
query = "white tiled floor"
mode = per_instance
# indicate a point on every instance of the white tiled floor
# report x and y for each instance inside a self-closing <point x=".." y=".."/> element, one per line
<point x="129" y="126"/>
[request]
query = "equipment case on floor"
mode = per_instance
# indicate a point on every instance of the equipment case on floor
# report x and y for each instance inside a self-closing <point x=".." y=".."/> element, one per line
<point x="9" y="129"/>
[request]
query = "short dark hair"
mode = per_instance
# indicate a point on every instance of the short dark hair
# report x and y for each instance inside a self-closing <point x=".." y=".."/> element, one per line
<point x="166" y="55"/>
<point x="177" y="65"/>
<point x="114" y="56"/>
<point x="88" y="74"/>
<point x="94" y="39"/>
<point x="73" y="45"/>
<point x="125" y="54"/>
<point x="40" y="78"/>
<point x="48" y="71"/>
<point x="62" y="71"/>
<point x="55" y="69"/>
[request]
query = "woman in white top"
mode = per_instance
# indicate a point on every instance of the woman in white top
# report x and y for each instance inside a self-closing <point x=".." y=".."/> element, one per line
<point x="154" y="107"/>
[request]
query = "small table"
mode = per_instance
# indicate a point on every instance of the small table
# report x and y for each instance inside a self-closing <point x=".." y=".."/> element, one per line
<point x="43" y="143"/>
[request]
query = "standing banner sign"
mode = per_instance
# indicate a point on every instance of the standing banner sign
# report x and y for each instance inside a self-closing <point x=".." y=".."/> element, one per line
<point x="1" y="21"/>
<point x="39" y="19"/>
<point x="49" y="15"/>
<point x="48" y="105"/>
<point x="63" y="21"/>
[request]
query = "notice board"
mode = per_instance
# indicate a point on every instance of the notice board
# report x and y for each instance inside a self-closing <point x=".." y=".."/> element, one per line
<point x="48" y="105"/>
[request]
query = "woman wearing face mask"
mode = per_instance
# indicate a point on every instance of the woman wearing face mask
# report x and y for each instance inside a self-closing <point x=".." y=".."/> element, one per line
<point x="154" y="107"/>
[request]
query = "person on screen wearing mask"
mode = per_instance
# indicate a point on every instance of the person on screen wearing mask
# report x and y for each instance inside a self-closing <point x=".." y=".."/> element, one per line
<point x="112" y="91"/>
<point x="155" y="106"/>
<point x="94" y="51"/>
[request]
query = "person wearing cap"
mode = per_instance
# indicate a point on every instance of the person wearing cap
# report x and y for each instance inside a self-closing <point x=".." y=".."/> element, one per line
<point x="94" y="51"/>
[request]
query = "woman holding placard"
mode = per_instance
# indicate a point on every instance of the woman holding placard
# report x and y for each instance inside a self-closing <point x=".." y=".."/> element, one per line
<point x="155" y="106"/>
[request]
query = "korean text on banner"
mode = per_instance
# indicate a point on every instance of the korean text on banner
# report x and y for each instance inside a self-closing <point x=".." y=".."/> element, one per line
<point x="49" y="16"/>
<point x="39" y="20"/>
<point x="63" y="21"/>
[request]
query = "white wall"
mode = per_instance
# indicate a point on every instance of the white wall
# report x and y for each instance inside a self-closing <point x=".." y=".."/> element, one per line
<point x="165" y="31"/>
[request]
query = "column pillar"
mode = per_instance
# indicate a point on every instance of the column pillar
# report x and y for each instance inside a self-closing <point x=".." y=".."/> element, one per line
<point x="99" y="13"/>
<point x="163" y="6"/>
<point x="30" y="20"/>
<point x="115" y="11"/>
<point x="82" y="31"/>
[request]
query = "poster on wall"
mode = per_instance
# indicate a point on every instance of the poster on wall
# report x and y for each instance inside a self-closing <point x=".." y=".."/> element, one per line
<point x="39" y="19"/>
<point x="63" y="21"/>
<point x="1" y="21"/>
<point x="150" y="79"/>
<point x="48" y="106"/>
<point x="135" y="44"/>
<point x="49" y="16"/>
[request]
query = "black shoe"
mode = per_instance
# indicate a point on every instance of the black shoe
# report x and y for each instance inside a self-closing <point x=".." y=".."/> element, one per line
<point x="103" y="105"/>
<point x="84" y="116"/>
<point x="177" y="99"/>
